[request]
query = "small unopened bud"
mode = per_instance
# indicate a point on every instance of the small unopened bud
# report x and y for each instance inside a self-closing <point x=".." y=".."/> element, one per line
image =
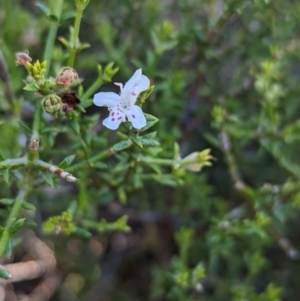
<point x="22" y="58"/>
<point x="30" y="79"/>
<point x="196" y="160"/>
<point x="66" y="77"/>
<point x="52" y="104"/>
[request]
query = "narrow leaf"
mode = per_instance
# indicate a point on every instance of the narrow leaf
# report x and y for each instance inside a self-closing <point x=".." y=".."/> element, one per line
<point x="48" y="178"/>
<point x="66" y="162"/>
<point x="8" y="250"/>
<point x="7" y="202"/>
<point x="6" y="175"/>
<point x="28" y="206"/>
<point x="16" y="225"/>
<point x="24" y="126"/>
<point x="31" y="88"/>
<point x="138" y="141"/>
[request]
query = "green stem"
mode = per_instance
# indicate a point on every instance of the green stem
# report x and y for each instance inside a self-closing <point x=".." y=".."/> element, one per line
<point x="75" y="37"/>
<point x="14" y="214"/>
<point x="118" y="147"/>
<point x="13" y="163"/>
<point x="91" y="90"/>
<point x="159" y="161"/>
<point x="36" y="121"/>
<point x="33" y="152"/>
<point x="57" y="10"/>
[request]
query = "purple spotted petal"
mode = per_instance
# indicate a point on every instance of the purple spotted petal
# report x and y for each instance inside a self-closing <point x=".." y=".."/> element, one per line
<point x="136" y="116"/>
<point x="114" y="119"/>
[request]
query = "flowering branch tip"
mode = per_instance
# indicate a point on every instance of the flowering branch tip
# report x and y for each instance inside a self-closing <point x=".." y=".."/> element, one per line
<point x="123" y="106"/>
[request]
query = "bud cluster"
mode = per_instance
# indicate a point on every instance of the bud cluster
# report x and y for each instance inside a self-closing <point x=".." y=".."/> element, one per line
<point x="37" y="69"/>
<point x="55" y="98"/>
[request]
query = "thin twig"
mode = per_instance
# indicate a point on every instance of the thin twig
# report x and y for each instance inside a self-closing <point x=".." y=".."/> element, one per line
<point x="55" y="170"/>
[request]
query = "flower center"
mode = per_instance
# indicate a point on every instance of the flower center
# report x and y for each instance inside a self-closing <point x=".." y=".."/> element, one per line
<point x="125" y="104"/>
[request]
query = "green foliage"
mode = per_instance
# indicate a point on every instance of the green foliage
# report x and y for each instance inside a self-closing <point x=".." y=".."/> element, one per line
<point x="224" y="93"/>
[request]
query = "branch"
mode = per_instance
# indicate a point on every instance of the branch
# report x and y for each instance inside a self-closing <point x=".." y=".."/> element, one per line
<point x="13" y="163"/>
<point x="55" y="170"/>
<point x="118" y="147"/>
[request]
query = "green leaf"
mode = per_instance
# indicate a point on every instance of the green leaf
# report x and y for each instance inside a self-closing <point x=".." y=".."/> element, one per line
<point x="148" y="125"/>
<point x="151" y="120"/>
<point x="8" y="250"/>
<point x="100" y="165"/>
<point x="150" y="135"/>
<point x="109" y="72"/>
<point x="176" y="151"/>
<point x="122" y="145"/>
<point x="31" y="88"/>
<point x="150" y="117"/>
<point x="144" y="95"/>
<point x="155" y="168"/>
<point x="7" y="202"/>
<point x="66" y="162"/>
<point x="65" y="42"/>
<point x="28" y="206"/>
<point x="80" y="108"/>
<point x="16" y="225"/>
<point x="82" y="232"/>
<point x="67" y="15"/>
<point x="74" y="124"/>
<point x="2" y="158"/>
<point x="73" y="207"/>
<point x="83" y="47"/>
<point x="6" y="175"/>
<point x="122" y="195"/>
<point x="43" y="8"/>
<point x="167" y="180"/>
<point x="24" y="126"/>
<point x="137" y="140"/>
<point x="150" y="142"/>
<point x="48" y="178"/>
<point x="119" y="168"/>
<point x="122" y="135"/>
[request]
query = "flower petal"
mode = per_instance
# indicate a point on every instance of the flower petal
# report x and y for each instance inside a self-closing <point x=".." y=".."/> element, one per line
<point x="133" y="81"/>
<point x="142" y="85"/>
<point x="136" y="84"/>
<point x="136" y="116"/>
<point x="114" y="119"/>
<point x="106" y="99"/>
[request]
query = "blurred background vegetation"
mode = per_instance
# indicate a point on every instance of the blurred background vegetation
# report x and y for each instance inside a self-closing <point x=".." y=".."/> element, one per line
<point x="226" y="78"/>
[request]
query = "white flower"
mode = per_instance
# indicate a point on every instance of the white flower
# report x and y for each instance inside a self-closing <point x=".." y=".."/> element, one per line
<point x="123" y="105"/>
